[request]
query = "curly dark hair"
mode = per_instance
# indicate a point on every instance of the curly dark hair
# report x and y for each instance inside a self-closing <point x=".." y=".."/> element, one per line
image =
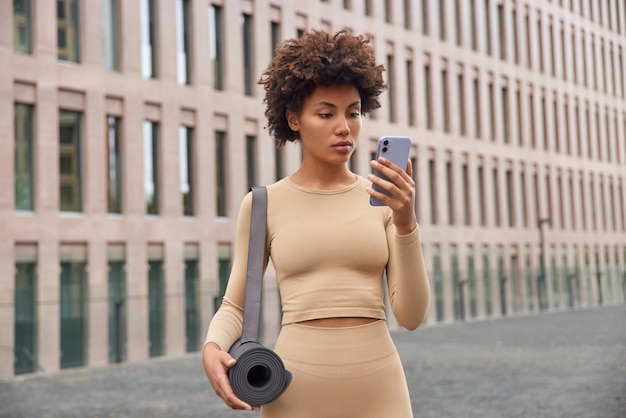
<point x="318" y="59"/>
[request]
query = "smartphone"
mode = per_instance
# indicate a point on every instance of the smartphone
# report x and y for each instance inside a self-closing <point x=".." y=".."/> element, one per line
<point x="396" y="149"/>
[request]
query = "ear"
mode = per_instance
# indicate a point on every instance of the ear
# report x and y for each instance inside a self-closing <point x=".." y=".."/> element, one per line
<point x="292" y="120"/>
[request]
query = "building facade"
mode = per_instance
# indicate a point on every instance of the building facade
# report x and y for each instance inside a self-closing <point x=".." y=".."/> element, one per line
<point x="132" y="129"/>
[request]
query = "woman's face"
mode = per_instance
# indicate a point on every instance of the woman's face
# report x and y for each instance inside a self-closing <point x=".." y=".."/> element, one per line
<point x="329" y="123"/>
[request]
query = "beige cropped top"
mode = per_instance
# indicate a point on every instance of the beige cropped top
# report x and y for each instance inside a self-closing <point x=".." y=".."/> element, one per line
<point x="330" y="250"/>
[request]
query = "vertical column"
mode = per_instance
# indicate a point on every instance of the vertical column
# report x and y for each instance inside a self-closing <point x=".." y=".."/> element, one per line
<point x="97" y="316"/>
<point x="174" y="268"/>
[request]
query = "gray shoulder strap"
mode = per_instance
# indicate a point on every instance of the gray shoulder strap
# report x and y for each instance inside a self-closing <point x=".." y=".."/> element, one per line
<point x="254" y="276"/>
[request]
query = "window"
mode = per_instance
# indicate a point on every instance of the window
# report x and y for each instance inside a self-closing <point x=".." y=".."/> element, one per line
<point x="111" y="30"/>
<point x="584" y="60"/>
<point x="473" y="25"/>
<point x="486" y="267"/>
<point x="24" y="157"/>
<point x="391" y="88"/>
<point x="74" y="308"/>
<point x="407" y="14"/>
<point x="458" y="300"/>
<point x="114" y="164"/>
<point x="488" y="26"/>
<point x="491" y="111"/>
<point x="248" y="54"/>
<point x="515" y="35"/>
<point x="477" y="116"/>
<point x="186" y="153"/>
<point x="458" y="22"/>
<point x="251" y="160"/>
<point x="529" y="49"/>
<point x="428" y="96"/>
<point x="496" y="196"/>
<point x="551" y="49"/>
<point x="279" y="167"/>
<point x="510" y="198"/>
<point x="442" y="20"/>
<point x="224" y="264"/>
<point x="183" y="38"/>
<point x="531" y="114"/>
<point x="368" y="7"/>
<point x="574" y="56"/>
<point x="501" y="30"/>
<point x="388" y="11"/>
<point x="410" y="83"/>
<point x="22" y="26"/>
<point x="192" y="297"/>
<point x="523" y="201"/>
<point x="275" y="36"/>
<point x="481" y="195"/>
<point x="149" y="56"/>
<point x="450" y="189"/>
<point x="445" y="101"/>
<point x="216" y="47"/>
<point x="151" y="166"/>
<point x="425" y="17"/>
<point x="520" y="124"/>
<point x="471" y="281"/>
<point x="70" y="161"/>
<point x="467" y="207"/>
<point x="25" y="328"/>
<point x="220" y="166"/>
<point x="540" y="43"/>
<point x="156" y="300"/>
<point x="438" y="282"/>
<point x="68" y="30"/>
<point x="117" y="302"/>
<point x="432" y="174"/>
<point x="505" y="115"/>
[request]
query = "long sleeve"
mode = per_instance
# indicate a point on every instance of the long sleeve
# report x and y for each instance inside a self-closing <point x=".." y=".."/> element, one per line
<point x="226" y="325"/>
<point x="407" y="279"/>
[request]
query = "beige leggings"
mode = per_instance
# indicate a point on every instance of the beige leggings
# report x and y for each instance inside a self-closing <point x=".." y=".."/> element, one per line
<point x="352" y="372"/>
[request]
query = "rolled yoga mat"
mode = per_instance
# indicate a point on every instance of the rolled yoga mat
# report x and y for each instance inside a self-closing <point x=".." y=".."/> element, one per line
<point x="259" y="376"/>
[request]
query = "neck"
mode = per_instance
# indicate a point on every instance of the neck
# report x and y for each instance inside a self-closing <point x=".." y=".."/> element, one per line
<point x="323" y="179"/>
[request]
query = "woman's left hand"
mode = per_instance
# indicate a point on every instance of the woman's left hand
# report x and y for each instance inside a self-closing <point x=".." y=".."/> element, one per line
<point x="402" y="190"/>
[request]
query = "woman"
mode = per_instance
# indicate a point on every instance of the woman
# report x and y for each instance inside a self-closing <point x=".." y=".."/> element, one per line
<point x="329" y="246"/>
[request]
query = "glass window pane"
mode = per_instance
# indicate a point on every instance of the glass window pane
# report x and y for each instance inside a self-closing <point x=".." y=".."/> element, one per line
<point x="151" y="167"/>
<point x="22" y="26"/>
<point x="70" y="161"/>
<point x="111" y="20"/>
<point x="117" y="304"/>
<point x="114" y="165"/>
<point x="185" y="135"/>
<point x="73" y="313"/>
<point x="25" y="310"/>
<point x="248" y="54"/>
<point x="156" y="299"/>
<point x="183" y="35"/>
<point x="24" y="181"/>
<point x="68" y="30"/>
<point x="148" y="39"/>
<point x="216" y="46"/>
<point x="192" y="304"/>
<point x="220" y="164"/>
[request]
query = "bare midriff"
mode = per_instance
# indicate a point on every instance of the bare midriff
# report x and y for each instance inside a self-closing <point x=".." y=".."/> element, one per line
<point x="338" y="322"/>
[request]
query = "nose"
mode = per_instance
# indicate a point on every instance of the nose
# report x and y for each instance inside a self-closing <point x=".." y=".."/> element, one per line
<point x="343" y="126"/>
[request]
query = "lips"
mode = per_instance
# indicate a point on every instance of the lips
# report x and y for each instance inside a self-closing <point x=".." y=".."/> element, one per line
<point x="343" y="144"/>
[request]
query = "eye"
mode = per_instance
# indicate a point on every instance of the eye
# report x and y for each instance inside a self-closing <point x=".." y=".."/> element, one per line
<point x="325" y="115"/>
<point x="355" y="114"/>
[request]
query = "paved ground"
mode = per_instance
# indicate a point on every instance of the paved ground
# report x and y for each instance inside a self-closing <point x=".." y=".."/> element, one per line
<point x="568" y="364"/>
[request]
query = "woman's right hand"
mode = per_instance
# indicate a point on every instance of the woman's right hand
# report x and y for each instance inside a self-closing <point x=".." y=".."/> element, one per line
<point x="216" y="364"/>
